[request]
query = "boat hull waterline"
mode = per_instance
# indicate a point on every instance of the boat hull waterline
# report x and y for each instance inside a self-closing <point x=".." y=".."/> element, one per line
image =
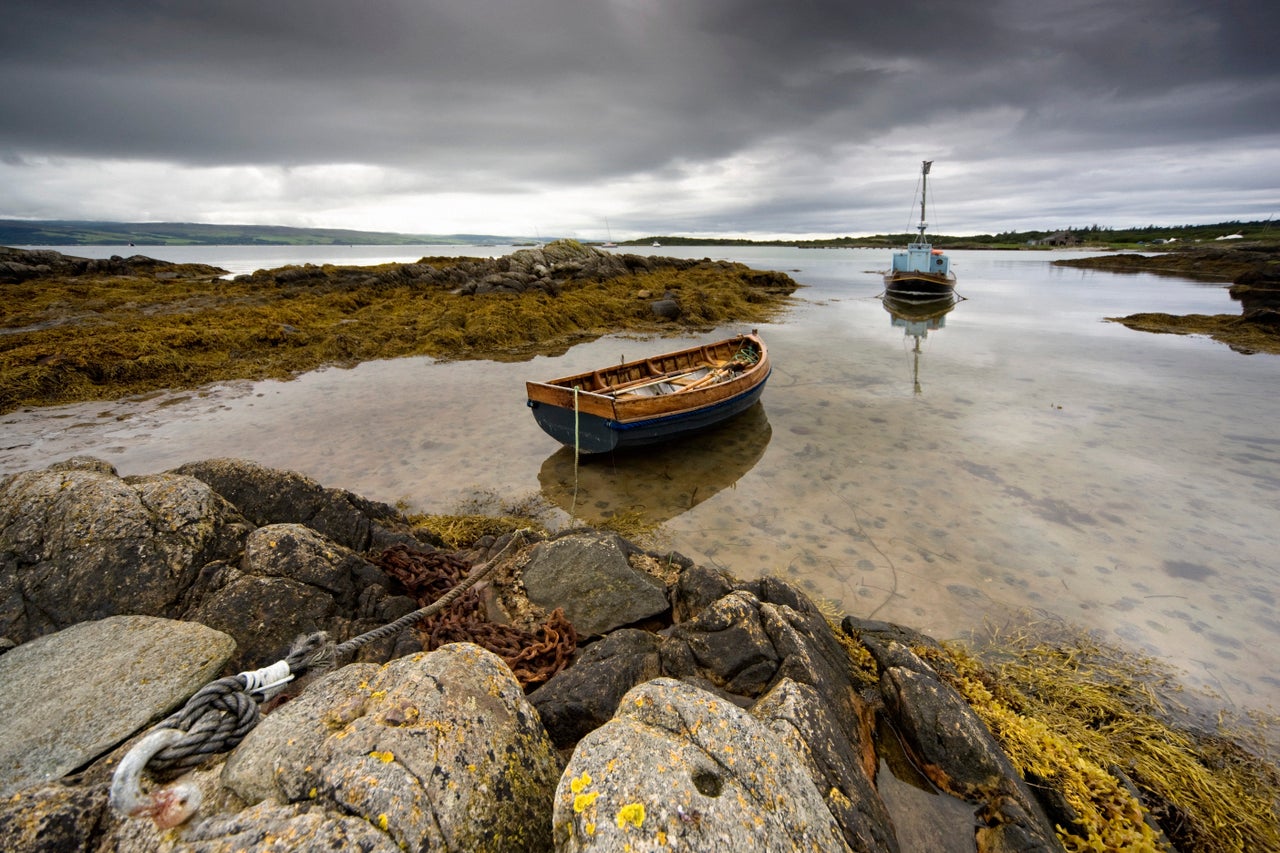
<point x="654" y="399"/>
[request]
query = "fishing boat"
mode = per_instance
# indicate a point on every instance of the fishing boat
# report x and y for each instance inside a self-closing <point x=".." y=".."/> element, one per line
<point x="652" y="399"/>
<point x="921" y="271"/>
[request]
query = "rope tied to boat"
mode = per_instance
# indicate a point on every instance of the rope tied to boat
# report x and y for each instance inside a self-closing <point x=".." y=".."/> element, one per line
<point x="577" y="452"/>
<point x="221" y="714"/>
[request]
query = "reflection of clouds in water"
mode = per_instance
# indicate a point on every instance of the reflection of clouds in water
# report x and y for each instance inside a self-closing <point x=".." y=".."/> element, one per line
<point x="925" y="512"/>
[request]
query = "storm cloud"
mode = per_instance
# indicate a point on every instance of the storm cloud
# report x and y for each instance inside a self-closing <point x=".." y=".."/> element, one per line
<point x="715" y="117"/>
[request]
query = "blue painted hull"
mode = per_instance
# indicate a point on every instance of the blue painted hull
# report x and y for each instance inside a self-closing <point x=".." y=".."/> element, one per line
<point x="594" y="434"/>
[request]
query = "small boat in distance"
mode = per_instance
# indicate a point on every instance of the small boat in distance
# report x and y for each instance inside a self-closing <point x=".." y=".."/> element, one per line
<point x="921" y="272"/>
<point x="652" y="399"/>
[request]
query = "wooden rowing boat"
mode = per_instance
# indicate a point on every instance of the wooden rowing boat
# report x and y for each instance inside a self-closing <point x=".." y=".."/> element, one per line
<point x="652" y="399"/>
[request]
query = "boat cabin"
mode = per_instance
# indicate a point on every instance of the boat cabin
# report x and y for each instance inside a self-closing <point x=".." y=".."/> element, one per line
<point x="921" y="258"/>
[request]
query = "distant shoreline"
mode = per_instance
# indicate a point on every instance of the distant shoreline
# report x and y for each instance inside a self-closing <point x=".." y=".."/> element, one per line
<point x="25" y="233"/>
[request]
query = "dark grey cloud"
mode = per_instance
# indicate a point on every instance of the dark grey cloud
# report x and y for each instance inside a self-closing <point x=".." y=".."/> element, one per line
<point x="803" y="116"/>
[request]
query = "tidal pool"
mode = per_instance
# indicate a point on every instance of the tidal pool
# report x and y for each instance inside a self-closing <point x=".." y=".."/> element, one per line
<point x="1016" y="458"/>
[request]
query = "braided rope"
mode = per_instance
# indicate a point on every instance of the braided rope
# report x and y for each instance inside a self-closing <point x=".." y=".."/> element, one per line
<point x="220" y="714"/>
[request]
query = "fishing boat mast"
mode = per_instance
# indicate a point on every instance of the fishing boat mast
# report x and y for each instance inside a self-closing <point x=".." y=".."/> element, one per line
<point x="924" y="192"/>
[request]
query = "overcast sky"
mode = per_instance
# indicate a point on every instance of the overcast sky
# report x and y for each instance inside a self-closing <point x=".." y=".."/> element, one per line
<point x="586" y="118"/>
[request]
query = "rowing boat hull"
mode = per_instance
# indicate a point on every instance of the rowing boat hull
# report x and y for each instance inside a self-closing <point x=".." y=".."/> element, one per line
<point x="579" y="412"/>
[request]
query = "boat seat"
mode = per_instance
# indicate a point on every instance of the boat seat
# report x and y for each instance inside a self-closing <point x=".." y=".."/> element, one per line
<point x="657" y="389"/>
<point x="690" y="378"/>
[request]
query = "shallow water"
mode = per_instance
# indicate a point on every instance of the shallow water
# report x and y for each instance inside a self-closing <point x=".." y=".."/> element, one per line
<point x="1030" y="456"/>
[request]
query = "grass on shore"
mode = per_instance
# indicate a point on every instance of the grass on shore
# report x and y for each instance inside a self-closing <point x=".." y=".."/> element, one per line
<point x="98" y="338"/>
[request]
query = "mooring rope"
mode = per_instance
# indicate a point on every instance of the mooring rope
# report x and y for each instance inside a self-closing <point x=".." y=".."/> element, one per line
<point x="577" y="445"/>
<point x="219" y="715"/>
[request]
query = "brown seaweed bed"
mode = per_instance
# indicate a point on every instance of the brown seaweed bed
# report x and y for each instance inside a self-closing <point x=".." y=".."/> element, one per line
<point x="134" y="326"/>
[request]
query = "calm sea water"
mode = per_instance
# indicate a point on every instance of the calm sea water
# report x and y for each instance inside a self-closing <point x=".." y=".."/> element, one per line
<point x="1018" y="456"/>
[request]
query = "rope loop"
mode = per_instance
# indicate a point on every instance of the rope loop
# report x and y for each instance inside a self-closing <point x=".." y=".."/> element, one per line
<point x="214" y="720"/>
<point x="220" y="714"/>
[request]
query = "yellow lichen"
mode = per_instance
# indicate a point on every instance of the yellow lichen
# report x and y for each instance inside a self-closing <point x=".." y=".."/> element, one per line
<point x="631" y="813"/>
<point x="383" y="822"/>
<point x="590" y="828"/>
<point x="384" y="757"/>
<point x="576" y="785"/>
<point x="583" y="801"/>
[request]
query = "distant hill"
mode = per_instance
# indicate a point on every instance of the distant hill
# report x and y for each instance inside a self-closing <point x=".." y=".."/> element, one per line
<point x="19" y="232"/>
<point x="1091" y="236"/>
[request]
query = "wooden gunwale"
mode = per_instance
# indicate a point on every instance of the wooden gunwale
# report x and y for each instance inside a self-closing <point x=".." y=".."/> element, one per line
<point x="599" y="392"/>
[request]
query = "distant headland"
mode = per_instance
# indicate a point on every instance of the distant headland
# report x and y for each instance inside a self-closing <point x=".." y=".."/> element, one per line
<point x="21" y="232"/>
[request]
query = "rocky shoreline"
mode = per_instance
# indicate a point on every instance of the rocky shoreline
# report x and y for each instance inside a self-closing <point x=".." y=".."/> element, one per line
<point x="691" y="711"/>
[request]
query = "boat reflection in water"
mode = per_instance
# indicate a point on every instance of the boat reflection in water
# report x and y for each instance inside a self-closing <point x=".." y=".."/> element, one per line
<point x="918" y="318"/>
<point x="657" y="482"/>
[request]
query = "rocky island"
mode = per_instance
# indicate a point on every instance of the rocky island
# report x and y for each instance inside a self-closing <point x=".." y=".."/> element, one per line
<point x="76" y="329"/>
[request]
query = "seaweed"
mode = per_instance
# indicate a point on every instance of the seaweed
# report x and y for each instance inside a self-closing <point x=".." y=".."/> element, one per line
<point x="101" y="337"/>
<point x="1104" y="728"/>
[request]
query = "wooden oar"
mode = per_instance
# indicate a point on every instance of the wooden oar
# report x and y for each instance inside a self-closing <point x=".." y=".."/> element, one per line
<point x="706" y="380"/>
<point x="666" y="377"/>
<point x="722" y="371"/>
